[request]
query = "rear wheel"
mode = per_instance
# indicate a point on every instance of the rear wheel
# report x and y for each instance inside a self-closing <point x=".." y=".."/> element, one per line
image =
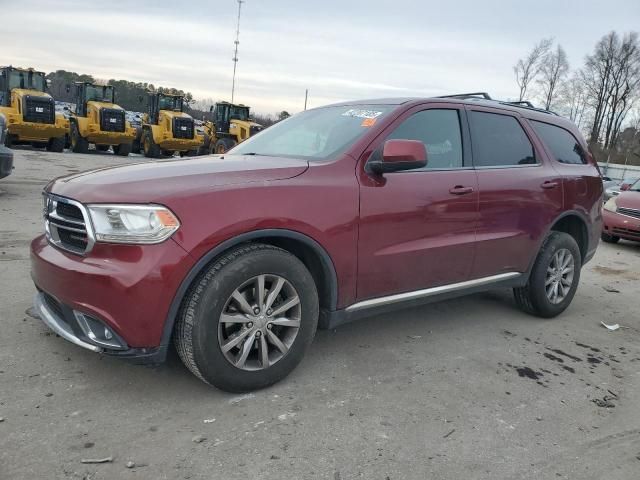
<point x="122" y="150"/>
<point x="151" y="149"/>
<point x="224" y="144"/>
<point x="554" y="277"/>
<point x="609" y="238"/>
<point x="78" y="144"/>
<point x="56" y="144"/>
<point x="249" y="318"/>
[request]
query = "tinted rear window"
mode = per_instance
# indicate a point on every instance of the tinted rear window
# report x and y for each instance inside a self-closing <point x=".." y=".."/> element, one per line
<point x="563" y="145"/>
<point x="499" y="141"/>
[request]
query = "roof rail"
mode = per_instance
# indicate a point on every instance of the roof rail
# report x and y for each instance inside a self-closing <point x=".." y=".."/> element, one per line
<point x="521" y="103"/>
<point x="484" y="95"/>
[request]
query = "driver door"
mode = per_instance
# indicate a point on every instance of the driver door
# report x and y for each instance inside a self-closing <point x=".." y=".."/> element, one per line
<point x="417" y="227"/>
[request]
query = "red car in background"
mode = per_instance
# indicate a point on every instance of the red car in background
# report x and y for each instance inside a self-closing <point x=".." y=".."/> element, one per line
<point x="622" y="215"/>
<point x="333" y="214"/>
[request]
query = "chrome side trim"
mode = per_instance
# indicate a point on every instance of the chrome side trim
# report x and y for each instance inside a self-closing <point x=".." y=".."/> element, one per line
<point x="429" y="292"/>
<point x="52" y="321"/>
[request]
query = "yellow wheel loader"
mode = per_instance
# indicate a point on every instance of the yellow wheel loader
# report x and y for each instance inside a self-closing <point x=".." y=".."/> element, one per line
<point x="30" y="112"/>
<point x="166" y="129"/>
<point x="98" y="120"/>
<point x="231" y="125"/>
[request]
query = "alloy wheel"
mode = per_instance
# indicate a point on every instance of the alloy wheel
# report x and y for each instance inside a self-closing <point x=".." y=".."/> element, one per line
<point x="259" y="322"/>
<point x="559" y="276"/>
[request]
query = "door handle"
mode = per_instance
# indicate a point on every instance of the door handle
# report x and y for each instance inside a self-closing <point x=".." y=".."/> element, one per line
<point x="460" y="190"/>
<point x="549" y="184"/>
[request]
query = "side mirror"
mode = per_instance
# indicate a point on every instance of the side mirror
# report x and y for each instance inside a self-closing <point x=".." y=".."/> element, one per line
<point x="398" y="155"/>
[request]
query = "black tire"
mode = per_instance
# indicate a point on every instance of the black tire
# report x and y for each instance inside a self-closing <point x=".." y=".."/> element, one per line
<point x="56" y="144"/>
<point x="103" y="148"/>
<point x="122" y="150"/>
<point x="149" y="146"/>
<point x="78" y="143"/>
<point x="168" y="153"/>
<point x="532" y="298"/>
<point x="135" y="146"/>
<point x="224" y="145"/>
<point x="8" y="141"/>
<point x="609" y="238"/>
<point x="196" y="332"/>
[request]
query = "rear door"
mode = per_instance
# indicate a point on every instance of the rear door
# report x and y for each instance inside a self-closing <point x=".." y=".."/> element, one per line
<point x="417" y="227"/>
<point x="520" y="191"/>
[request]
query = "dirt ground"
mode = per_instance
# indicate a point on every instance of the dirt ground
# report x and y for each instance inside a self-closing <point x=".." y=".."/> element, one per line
<point x="469" y="388"/>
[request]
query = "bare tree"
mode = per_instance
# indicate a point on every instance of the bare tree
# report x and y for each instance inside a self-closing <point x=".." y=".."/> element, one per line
<point x="572" y="99"/>
<point x="554" y="67"/>
<point x="528" y="68"/>
<point x="612" y="82"/>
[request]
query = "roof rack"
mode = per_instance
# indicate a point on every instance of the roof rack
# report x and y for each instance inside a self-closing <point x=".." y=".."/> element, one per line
<point x="484" y="95"/>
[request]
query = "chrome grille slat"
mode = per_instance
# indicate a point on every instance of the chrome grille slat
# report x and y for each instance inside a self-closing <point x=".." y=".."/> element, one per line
<point x="63" y="226"/>
<point x="630" y="212"/>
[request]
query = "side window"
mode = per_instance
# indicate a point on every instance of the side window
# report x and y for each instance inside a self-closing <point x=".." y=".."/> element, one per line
<point x="499" y="141"/>
<point x="563" y="145"/>
<point x="439" y="130"/>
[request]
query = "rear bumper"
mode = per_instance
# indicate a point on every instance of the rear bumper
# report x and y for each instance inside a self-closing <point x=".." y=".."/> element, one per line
<point x="6" y="161"/>
<point x="621" y="226"/>
<point x="126" y="288"/>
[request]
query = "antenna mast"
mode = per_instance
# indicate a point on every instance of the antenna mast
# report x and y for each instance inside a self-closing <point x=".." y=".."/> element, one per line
<point x="235" y="53"/>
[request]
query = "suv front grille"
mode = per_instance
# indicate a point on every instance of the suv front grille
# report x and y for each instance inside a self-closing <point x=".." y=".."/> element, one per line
<point x="38" y="109"/>
<point x="66" y="224"/>
<point x="112" y="120"/>
<point x="630" y="212"/>
<point x="183" y="127"/>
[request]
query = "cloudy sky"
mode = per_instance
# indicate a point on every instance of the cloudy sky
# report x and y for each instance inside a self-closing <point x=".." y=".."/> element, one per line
<point x="338" y="49"/>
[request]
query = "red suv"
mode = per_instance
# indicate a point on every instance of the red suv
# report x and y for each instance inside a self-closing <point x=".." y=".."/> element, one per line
<point x="333" y="214"/>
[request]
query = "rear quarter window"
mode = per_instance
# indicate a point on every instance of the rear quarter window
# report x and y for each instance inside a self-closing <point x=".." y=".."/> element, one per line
<point x="562" y="144"/>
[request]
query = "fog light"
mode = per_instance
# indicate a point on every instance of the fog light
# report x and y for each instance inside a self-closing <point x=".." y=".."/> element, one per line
<point x="98" y="333"/>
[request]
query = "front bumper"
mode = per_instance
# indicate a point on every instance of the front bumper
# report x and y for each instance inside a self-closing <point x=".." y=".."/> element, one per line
<point x="126" y="288"/>
<point x="6" y="161"/>
<point x="621" y="226"/>
<point x="37" y="132"/>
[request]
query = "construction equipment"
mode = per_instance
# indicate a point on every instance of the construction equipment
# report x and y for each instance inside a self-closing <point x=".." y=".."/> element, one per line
<point x="231" y="125"/>
<point x="167" y="129"/>
<point x="98" y="120"/>
<point x="30" y="112"/>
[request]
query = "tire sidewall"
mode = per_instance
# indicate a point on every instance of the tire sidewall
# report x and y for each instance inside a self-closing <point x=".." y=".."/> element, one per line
<point x="208" y="356"/>
<point x="555" y="242"/>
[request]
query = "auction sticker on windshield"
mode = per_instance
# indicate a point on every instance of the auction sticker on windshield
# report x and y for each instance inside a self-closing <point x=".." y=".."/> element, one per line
<point x="358" y="113"/>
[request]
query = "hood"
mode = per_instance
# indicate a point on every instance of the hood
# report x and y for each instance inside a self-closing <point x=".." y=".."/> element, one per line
<point x="628" y="199"/>
<point x="159" y="181"/>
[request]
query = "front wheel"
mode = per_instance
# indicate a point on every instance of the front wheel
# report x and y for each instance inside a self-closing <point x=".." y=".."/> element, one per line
<point x="149" y="146"/>
<point x="56" y="144"/>
<point x="554" y="277"/>
<point x="224" y="144"/>
<point x="249" y="318"/>
<point x="122" y="150"/>
<point x="78" y="143"/>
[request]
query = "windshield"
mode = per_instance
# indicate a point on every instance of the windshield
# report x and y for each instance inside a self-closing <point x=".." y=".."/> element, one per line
<point x="26" y="79"/>
<point x="239" y="113"/>
<point x="99" y="93"/>
<point x="170" y="103"/>
<point x="314" y="134"/>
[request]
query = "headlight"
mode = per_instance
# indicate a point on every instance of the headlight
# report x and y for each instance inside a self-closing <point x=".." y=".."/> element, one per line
<point x="611" y="205"/>
<point x="144" y="224"/>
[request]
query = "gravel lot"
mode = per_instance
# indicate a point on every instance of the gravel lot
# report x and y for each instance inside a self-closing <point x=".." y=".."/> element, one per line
<point x="469" y="388"/>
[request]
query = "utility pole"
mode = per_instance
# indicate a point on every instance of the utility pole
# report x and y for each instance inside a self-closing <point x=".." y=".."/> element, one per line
<point x="235" y="53"/>
<point x="306" y="95"/>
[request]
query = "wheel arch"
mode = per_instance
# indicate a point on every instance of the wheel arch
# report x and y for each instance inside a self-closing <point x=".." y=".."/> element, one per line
<point x="305" y="248"/>
<point x="574" y="224"/>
